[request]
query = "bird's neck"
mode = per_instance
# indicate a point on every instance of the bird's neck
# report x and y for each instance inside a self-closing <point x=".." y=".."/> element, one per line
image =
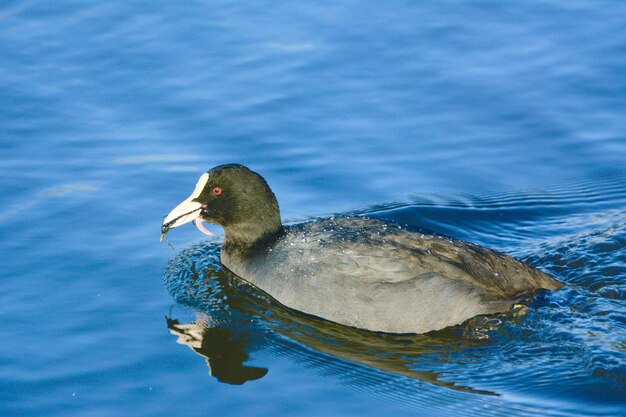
<point x="250" y="236"/>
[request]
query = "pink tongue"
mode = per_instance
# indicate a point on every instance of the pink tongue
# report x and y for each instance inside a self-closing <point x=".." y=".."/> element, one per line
<point x="200" y="225"/>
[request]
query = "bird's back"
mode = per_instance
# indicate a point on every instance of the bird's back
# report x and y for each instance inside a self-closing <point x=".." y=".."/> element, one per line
<point x="373" y="275"/>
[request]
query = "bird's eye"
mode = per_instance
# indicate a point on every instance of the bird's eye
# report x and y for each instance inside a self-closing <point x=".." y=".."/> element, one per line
<point x="217" y="191"/>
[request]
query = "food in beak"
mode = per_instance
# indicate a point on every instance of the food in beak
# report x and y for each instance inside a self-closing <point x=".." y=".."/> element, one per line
<point x="174" y="219"/>
<point x="187" y="211"/>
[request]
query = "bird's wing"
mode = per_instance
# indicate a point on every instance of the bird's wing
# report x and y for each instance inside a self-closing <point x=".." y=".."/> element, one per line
<point x="393" y="255"/>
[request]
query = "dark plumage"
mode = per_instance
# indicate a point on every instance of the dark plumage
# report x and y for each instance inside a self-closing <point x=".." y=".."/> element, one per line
<point x="355" y="271"/>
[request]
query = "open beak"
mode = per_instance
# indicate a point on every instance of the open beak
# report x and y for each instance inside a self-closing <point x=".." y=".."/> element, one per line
<point x="187" y="211"/>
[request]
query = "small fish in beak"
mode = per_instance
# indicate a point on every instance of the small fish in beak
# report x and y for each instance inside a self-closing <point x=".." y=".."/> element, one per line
<point x="187" y="211"/>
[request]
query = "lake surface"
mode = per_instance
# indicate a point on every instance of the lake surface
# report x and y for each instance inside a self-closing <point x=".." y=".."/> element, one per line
<point x="500" y="123"/>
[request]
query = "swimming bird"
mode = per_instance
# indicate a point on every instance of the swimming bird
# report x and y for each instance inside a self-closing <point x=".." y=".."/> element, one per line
<point x="361" y="272"/>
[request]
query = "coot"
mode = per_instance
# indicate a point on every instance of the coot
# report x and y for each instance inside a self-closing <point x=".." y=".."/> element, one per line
<point x="360" y="272"/>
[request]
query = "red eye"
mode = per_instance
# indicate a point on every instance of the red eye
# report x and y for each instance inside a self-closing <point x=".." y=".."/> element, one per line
<point x="217" y="191"/>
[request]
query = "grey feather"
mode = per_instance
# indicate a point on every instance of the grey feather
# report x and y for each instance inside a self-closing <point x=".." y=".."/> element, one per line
<point x="368" y="274"/>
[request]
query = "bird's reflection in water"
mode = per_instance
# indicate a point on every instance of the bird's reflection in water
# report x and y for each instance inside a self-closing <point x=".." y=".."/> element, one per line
<point x="223" y="353"/>
<point x="234" y="317"/>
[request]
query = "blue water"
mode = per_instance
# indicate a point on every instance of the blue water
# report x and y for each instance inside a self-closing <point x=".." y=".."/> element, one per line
<point x="501" y="123"/>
